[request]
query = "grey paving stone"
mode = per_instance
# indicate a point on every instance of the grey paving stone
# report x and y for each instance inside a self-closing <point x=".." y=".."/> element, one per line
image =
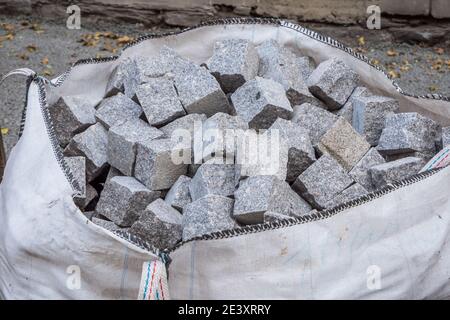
<point x="283" y="66"/>
<point x="333" y="82"/>
<point x="91" y="144"/>
<point x="159" y="100"/>
<point x="112" y="172"/>
<point x="369" y="115"/>
<point x="108" y="225"/>
<point x="322" y="181"/>
<point x="186" y="123"/>
<point x="346" y="111"/>
<point x="179" y="195"/>
<point x="344" y="144"/>
<point x="155" y="166"/>
<point x="262" y="154"/>
<point x="360" y="172"/>
<point x="117" y="78"/>
<point x="117" y="109"/>
<point x="71" y="115"/>
<point x="159" y="224"/>
<point x="316" y="120"/>
<point x="77" y="166"/>
<point x="216" y="137"/>
<point x="123" y="199"/>
<point x="211" y="178"/>
<point x="300" y="150"/>
<point x="259" y="195"/>
<point x="389" y="172"/>
<point x="206" y="215"/>
<point x="199" y="91"/>
<point x="123" y="139"/>
<point x="353" y="192"/>
<point x="406" y="133"/>
<point x="234" y="61"/>
<point x="260" y="102"/>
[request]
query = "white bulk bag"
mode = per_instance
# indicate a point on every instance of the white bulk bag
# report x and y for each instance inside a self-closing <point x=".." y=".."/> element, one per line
<point x="390" y="244"/>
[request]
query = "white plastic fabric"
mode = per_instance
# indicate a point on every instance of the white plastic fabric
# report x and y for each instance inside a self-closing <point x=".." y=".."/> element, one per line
<point x="395" y="246"/>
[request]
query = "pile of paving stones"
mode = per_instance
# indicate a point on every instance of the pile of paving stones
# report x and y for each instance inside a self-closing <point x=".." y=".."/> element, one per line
<point x="337" y="141"/>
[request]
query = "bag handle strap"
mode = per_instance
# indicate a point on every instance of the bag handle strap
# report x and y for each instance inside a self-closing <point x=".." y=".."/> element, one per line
<point x="154" y="284"/>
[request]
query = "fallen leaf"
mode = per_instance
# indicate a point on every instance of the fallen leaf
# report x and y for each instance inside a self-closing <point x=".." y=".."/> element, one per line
<point x="44" y="61"/>
<point x="4" y="131"/>
<point x="361" y="41"/>
<point x="9" y="36"/>
<point x="375" y="62"/>
<point x="433" y="88"/>
<point x="392" y="53"/>
<point x="7" y="27"/>
<point x="31" y="48"/>
<point x="48" y="72"/>
<point x="393" y="74"/>
<point x="22" y="56"/>
<point x="123" y="40"/>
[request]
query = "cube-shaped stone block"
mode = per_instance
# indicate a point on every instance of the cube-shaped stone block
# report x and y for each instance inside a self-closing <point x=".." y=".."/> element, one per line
<point x="369" y="115"/>
<point x="351" y="193"/>
<point x="70" y="116"/>
<point x="117" y="109"/>
<point x="160" y="162"/>
<point x="346" y="111"/>
<point x="234" y="61"/>
<point x="91" y="144"/>
<point x="159" y="224"/>
<point x="259" y="195"/>
<point x="333" y="82"/>
<point x="344" y="144"/>
<point x="316" y="120"/>
<point x="123" y="199"/>
<point x="407" y="133"/>
<point x="122" y="141"/>
<point x="322" y="181"/>
<point x="179" y="195"/>
<point x="394" y="171"/>
<point x="360" y="172"/>
<point x="259" y="102"/>
<point x="206" y="215"/>
<point x="300" y="150"/>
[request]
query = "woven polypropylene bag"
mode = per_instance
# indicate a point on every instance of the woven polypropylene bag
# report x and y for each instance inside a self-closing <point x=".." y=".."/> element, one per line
<point x="390" y="244"/>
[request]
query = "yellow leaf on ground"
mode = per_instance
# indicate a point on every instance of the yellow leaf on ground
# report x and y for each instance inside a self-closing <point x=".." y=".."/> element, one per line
<point x="9" y="36"/>
<point x="48" y="72"/>
<point x="44" y="61"/>
<point x="433" y="88"/>
<point x="4" y="131"/>
<point x="439" y="50"/>
<point x="392" y="53"/>
<point x="123" y="40"/>
<point x="393" y="74"/>
<point x="31" y="48"/>
<point x="361" y="41"/>
<point x="375" y="62"/>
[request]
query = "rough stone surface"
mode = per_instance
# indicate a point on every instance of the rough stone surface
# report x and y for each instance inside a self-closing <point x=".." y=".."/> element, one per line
<point x="155" y="166"/>
<point x="445" y="136"/>
<point x="122" y="141"/>
<point x="406" y="133"/>
<point x="206" y="215"/>
<point x="283" y="66"/>
<point x="233" y="62"/>
<point x="91" y="144"/>
<point x="270" y="217"/>
<point x="307" y="66"/>
<point x="112" y="172"/>
<point x="123" y="199"/>
<point x="71" y="115"/>
<point x="346" y="111"/>
<point x="117" y="109"/>
<point x="259" y="195"/>
<point x="333" y="82"/>
<point x="217" y="136"/>
<point x="316" y="120"/>
<point x="322" y="181"/>
<point x="360" y="172"/>
<point x="260" y="102"/>
<point x="159" y="100"/>
<point x="300" y="150"/>
<point x="199" y="91"/>
<point x="186" y="123"/>
<point x="179" y="195"/>
<point x="77" y="167"/>
<point x="106" y="224"/>
<point x="393" y="171"/>
<point x="344" y="144"/>
<point x="211" y="178"/>
<point x="159" y="224"/>
<point x="262" y="154"/>
<point x="353" y="192"/>
<point x="117" y="78"/>
<point x="369" y="115"/>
